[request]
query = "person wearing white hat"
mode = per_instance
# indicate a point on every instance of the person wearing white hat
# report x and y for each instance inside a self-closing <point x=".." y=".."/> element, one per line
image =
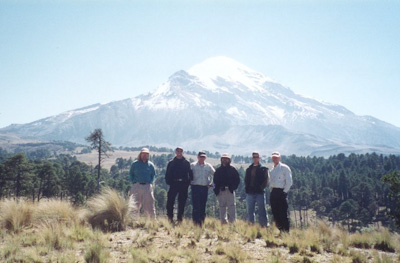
<point x="226" y="181"/>
<point x="281" y="181"/>
<point x="142" y="174"/>
<point x="202" y="181"/>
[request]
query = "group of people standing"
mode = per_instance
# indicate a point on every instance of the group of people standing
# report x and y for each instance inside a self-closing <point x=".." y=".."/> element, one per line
<point x="224" y="181"/>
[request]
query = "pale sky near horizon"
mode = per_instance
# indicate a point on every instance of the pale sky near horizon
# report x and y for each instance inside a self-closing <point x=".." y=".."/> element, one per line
<point x="62" y="55"/>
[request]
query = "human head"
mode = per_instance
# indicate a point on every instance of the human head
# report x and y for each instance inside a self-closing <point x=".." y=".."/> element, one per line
<point x="179" y="152"/>
<point x="144" y="155"/>
<point x="256" y="157"/>
<point x="225" y="159"/>
<point x="201" y="157"/>
<point x="276" y="157"/>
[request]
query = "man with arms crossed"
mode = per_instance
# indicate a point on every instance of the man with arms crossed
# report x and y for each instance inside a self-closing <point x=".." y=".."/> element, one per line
<point x="226" y="181"/>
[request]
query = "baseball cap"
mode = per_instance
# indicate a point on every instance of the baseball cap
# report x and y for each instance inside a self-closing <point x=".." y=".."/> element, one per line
<point x="201" y="153"/>
<point x="276" y="154"/>
<point x="144" y="150"/>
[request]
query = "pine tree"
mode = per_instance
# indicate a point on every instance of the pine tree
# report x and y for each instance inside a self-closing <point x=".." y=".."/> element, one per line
<point x="98" y="143"/>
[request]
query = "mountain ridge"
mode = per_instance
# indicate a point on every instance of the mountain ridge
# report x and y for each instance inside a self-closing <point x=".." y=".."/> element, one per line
<point x="221" y="105"/>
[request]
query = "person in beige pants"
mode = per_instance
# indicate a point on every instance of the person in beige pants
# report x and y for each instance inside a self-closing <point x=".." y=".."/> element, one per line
<point x="226" y="181"/>
<point x="142" y="174"/>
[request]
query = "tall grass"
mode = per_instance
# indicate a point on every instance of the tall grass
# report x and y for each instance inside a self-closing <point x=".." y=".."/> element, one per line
<point x="109" y="210"/>
<point x="53" y="210"/>
<point x="15" y="215"/>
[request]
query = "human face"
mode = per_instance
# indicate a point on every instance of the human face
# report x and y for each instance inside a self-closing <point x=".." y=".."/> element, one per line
<point x="179" y="153"/>
<point x="276" y="160"/>
<point x="201" y="159"/>
<point x="225" y="161"/>
<point x="144" y="157"/>
<point x="256" y="159"/>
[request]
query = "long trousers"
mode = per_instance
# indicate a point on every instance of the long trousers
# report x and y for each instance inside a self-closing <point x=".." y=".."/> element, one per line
<point x="144" y="198"/>
<point x="226" y="201"/>
<point x="279" y="207"/>
<point x="199" y="199"/>
<point x="179" y="189"/>
<point x="251" y="201"/>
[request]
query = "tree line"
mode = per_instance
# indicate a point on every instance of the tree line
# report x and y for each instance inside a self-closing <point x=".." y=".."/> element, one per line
<point x="355" y="190"/>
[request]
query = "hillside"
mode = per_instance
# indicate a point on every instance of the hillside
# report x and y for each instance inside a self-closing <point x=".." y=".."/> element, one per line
<point x="54" y="231"/>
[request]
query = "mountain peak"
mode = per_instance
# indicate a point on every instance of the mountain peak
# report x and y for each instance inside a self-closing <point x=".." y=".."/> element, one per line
<point x="215" y="68"/>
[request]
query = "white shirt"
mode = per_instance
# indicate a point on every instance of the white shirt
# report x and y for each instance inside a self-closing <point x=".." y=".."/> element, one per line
<point x="281" y="177"/>
<point x="202" y="173"/>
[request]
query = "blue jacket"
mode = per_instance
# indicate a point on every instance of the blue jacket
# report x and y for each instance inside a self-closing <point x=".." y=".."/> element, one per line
<point x="141" y="172"/>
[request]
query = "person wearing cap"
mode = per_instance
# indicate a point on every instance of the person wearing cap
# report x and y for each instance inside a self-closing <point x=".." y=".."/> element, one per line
<point x="256" y="180"/>
<point x="142" y="174"/>
<point x="281" y="181"/>
<point x="226" y="181"/>
<point x="178" y="177"/>
<point x="202" y="181"/>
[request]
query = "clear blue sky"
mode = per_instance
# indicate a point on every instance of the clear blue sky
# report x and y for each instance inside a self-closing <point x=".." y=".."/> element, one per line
<point x="61" y="55"/>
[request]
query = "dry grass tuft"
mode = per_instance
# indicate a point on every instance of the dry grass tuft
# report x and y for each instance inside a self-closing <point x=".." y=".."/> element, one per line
<point x="109" y="211"/>
<point x="14" y="215"/>
<point x="139" y="256"/>
<point x="54" y="235"/>
<point x="96" y="254"/>
<point x="54" y="211"/>
<point x="359" y="240"/>
<point x="383" y="241"/>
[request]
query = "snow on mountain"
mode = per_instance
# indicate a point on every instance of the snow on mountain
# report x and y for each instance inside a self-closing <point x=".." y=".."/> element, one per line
<point x="222" y="105"/>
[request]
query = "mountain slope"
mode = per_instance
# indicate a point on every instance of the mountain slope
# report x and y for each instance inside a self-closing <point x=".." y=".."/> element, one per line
<point x="222" y="105"/>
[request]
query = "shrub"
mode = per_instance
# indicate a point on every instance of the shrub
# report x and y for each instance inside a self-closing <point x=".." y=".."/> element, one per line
<point x="109" y="211"/>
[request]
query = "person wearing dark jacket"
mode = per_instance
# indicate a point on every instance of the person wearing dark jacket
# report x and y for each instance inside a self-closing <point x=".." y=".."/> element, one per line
<point x="226" y="181"/>
<point x="256" y="180"/>
<point x="178" y="177"/>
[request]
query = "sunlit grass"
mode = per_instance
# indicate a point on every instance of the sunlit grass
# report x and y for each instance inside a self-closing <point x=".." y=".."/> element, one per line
<point x="65" y="235"/>
<point x="109" y="211"/>
<point x="15" y="215"/>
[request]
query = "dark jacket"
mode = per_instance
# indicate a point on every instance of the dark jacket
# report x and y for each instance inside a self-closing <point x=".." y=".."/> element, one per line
<point x="260" y="182"/>
<point x="178" y="170"/>
<point x="226" y="178"/>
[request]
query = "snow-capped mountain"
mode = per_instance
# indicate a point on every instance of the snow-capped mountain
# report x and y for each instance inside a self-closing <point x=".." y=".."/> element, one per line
<point x="222" y="105"/>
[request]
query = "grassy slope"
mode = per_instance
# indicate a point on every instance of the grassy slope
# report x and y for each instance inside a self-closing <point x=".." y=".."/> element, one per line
<point x="54" y="231"/>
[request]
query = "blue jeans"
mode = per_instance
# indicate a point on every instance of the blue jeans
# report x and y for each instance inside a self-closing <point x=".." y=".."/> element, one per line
<point x="199" y="200"/>
<point x="251" y="200"/>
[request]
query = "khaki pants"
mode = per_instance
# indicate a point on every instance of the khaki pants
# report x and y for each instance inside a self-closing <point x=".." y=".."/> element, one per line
<point x="144" y="198"/>
<point x="226" y="201"/>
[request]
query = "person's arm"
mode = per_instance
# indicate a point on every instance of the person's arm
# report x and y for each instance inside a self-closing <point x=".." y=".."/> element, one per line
<point x="168" y="176"/>
<point x="236" y="180"/>
<point x="216" y="180"/>
<point x="190" y="172"/>
<point x="153" y="173"/>
<point x="288" y="180"/>
<point x="265" y="178"/>
<point x="132" y="174"/>
<point x="247" y="180"/>
<point x="211" y="175"/>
